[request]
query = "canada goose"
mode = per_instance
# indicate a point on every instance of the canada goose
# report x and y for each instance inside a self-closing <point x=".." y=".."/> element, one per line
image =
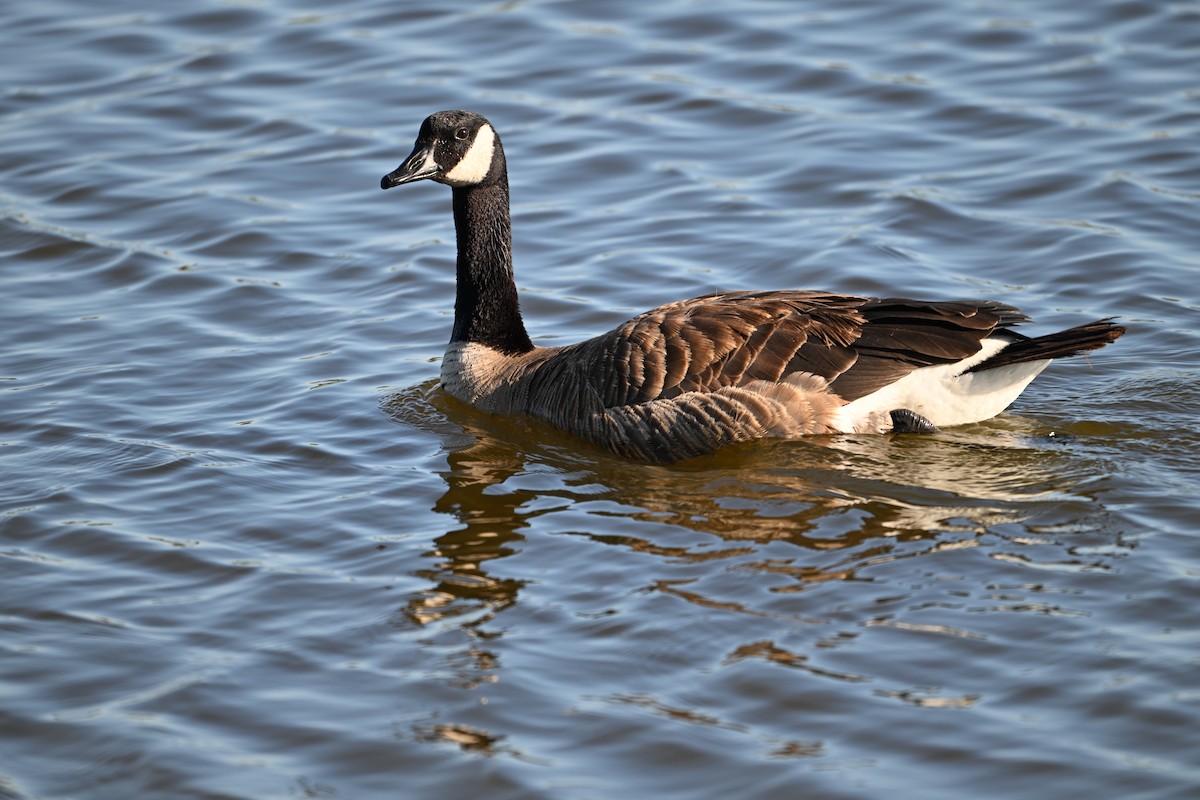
<point x="689" y="377"/>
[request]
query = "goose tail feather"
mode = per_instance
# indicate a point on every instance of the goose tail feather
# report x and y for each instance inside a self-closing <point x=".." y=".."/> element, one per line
<point x="1062" y="344"/>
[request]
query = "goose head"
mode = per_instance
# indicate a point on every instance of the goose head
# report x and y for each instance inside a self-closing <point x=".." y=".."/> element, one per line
<point x="457" y="148"/>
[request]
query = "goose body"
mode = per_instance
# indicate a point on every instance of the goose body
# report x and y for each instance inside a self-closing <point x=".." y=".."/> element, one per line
<point x="689" y="377"/>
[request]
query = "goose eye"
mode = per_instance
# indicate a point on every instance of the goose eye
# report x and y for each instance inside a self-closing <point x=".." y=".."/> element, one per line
<point x="462" y="133"/>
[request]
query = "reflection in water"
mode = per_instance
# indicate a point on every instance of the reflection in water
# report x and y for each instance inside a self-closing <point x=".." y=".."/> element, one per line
<point x="862" y="494"/>
<point x="462" y="586"/>
<point x="772" y="652"/>
<point x="490" y="528"/>
<point x="783" y="517"/>
<point x="465" y="736"/>
<point x="933" y="700"/>
<point x="788" y="748"/>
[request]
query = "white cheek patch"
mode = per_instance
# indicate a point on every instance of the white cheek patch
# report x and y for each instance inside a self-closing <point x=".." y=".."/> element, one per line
<point x="476" y="162"/>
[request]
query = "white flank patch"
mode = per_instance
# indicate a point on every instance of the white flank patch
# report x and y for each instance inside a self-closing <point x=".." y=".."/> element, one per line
<point x="943" y="395"/>
<point x="476" y="162"/>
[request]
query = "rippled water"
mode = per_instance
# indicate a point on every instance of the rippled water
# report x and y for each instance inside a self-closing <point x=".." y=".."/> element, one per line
<point x="249" y="549"/>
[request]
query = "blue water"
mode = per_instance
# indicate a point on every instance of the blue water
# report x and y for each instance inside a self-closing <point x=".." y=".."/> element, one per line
<point x="248" y="549"/>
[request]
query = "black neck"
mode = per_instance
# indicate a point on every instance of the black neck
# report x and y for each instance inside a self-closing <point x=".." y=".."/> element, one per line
<point x="486" y="310"/>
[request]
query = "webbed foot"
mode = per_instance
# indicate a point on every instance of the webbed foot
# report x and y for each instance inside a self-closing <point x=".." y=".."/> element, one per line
<point x="905" y="421"/>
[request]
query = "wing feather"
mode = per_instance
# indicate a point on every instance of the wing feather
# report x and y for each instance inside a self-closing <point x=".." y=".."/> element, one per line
<point x="857" y="345"/>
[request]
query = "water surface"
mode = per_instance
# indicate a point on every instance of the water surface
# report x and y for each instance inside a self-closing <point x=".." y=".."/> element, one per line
<point x="248" y="549"/>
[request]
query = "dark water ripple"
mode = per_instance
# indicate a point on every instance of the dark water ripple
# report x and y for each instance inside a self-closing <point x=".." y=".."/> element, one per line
<point x="248" y="548"/>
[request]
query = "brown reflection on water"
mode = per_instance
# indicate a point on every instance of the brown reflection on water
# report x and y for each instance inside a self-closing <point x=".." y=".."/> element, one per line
<point x="769" y="651"/>
<point x="465" y="736"/>
<point x="787" y="748"/>
<point x="846" y="505"/>
<point x="461" y="582"/>
<point x="863" y="495"/>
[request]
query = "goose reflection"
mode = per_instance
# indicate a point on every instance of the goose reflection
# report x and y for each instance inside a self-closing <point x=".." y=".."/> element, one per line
<point x="784" y="554"/>
<point x="462" y="585"/>
<point x="861" y="495"/>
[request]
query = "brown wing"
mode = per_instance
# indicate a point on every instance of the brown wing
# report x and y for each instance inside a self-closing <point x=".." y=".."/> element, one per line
<point x="725" y="340"/>
<point x="856" y="344"/>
